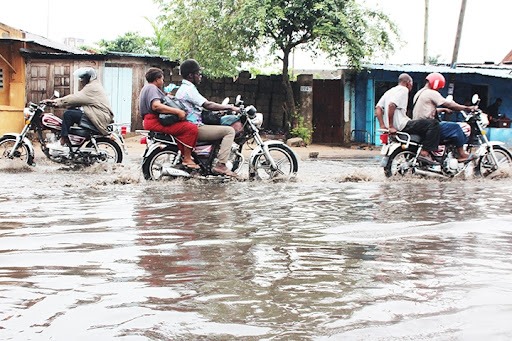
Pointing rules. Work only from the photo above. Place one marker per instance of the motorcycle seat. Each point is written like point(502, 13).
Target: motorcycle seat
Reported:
point(86, 124)
point(162, 136)
point(405, 137)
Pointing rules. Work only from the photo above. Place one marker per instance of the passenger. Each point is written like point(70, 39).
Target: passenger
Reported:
point(195, 102)
point(94, 104)
point(426, 103)
point(150, 106)
point(391, 112)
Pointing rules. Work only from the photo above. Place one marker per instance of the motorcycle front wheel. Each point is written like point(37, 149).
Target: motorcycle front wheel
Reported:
point(21, 153)
point(154, 164)
point(112, 152)
point(486, 164)
point(285, 161)
point(400, 163)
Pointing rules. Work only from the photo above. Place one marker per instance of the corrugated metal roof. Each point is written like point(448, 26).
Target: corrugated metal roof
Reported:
point(502, 71)
point(42, 41)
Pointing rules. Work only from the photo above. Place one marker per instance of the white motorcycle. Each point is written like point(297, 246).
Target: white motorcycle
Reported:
point(268, 160)
point(400, 153)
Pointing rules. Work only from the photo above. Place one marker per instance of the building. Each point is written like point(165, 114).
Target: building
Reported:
point(368, 85)
point(32, 67)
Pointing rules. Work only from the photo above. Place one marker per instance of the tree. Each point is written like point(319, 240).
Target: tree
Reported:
point(222, 34)
point(218, 33)
point(343, 29)
point(161, 40)
point(130, 42)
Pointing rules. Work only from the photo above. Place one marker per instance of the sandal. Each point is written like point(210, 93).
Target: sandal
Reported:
point(427, 159)
point(193, 166)
point(470, 157)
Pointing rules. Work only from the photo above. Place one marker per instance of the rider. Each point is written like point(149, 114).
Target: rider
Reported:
point(150, 106)
point(391, 112)
point(426, 103)
point(93, 102)
point(195, 103)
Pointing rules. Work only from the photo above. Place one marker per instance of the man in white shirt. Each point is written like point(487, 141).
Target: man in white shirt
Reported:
point(391, 112)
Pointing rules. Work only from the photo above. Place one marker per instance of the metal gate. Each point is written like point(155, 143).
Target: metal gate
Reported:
point(328, 111)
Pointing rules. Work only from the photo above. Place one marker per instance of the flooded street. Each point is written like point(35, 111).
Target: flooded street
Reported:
point(342, 253)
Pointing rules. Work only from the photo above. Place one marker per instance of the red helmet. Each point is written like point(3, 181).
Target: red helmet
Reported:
point(436, 81)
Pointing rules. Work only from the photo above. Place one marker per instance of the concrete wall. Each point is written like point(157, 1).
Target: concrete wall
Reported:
point(266, 93)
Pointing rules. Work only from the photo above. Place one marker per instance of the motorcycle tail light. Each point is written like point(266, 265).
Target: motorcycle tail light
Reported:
point(143, 140)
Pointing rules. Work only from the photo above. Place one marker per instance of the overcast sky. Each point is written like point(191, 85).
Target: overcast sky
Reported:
point(485, 35)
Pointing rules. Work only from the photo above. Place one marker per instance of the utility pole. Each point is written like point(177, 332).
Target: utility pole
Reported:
point(425, 36)
point(459, 33)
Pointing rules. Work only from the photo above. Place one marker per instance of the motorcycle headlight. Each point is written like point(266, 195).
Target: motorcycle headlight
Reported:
point(257, 120)
point(484, 120)
point(27, 113)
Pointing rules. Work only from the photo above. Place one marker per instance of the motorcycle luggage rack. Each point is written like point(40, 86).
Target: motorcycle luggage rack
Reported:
point(409, 139)
point(162, 137)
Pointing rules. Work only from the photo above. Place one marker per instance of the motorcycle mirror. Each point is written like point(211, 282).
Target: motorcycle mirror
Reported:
point(475, 99)
point(225, 101)
point(56, 94)
point(238, 100)
point(449, 98)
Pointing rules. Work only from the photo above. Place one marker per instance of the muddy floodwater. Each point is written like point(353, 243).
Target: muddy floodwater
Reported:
point(339, 254)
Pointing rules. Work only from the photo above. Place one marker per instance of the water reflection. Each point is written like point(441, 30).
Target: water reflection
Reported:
point(342, 253)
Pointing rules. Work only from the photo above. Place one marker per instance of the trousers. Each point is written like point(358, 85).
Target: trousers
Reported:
point(428, 129)
point(452, 131)
point(218, 132)
point(70, 117)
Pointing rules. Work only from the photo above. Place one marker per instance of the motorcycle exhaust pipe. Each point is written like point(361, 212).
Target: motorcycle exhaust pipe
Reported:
point(428, 173)
point(171, 171)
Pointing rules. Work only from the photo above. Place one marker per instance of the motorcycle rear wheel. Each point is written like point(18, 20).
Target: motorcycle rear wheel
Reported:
point(399, 163)
point(111, 148)
point(285, 160)
point(21, 153)
point(158, 159)
point(485, 163)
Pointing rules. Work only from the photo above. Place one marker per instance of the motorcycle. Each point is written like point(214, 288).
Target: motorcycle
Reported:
point(88, 145)
point(401, 151)
point(268, 160)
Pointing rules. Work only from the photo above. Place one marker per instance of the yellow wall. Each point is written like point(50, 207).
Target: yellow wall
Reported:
point(11, 120)
point(12, 96)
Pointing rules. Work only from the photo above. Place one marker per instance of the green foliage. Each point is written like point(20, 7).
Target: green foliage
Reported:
point(434, 60)
point(343, 29)
point(301, 130)
point(161, 40)
point(130, 42)
point(223, 34)
point(217, 33)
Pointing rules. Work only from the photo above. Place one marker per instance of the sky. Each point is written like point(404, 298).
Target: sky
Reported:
point(485, 35)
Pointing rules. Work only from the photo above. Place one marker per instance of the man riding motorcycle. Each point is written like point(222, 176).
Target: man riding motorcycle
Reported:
point(425, 105)
point(94, 104)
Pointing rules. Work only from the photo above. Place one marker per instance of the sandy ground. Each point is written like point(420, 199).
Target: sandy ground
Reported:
point(134, 147)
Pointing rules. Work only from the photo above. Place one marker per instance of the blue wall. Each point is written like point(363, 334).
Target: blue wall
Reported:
point(465, 85)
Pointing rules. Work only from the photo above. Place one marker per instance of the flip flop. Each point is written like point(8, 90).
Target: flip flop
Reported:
point(470, 158)
point(428, 160)
point(193, 166)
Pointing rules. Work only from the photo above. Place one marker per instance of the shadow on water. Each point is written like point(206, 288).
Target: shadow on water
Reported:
point(340, 253)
